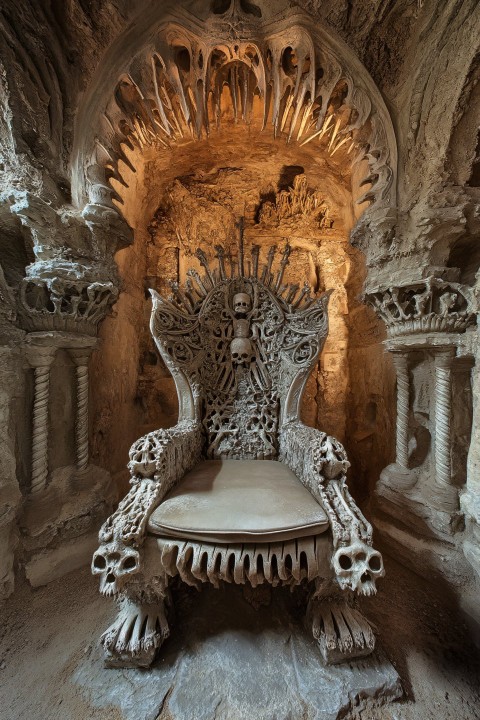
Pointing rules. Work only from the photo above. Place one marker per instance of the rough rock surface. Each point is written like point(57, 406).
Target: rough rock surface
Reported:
point(205, 672)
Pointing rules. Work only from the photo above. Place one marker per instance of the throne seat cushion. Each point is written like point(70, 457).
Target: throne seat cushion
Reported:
point(225, 501)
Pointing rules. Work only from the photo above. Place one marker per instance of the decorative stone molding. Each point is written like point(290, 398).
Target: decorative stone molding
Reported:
point(423, 494)
point(67, 305)
point(430, 305)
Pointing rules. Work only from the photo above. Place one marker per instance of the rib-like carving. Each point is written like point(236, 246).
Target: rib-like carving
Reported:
point(190, 82)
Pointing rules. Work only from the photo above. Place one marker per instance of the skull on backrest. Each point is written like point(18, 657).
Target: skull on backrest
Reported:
point(242, 304)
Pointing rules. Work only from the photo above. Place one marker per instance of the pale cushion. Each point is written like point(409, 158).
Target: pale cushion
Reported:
point(225, 501)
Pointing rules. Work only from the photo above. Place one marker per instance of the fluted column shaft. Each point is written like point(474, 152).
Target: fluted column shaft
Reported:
point(41, 359)
point(443, 417)
point(400, 361)
point(80, 358)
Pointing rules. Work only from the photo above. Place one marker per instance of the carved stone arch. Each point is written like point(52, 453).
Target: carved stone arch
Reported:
point(311, 88)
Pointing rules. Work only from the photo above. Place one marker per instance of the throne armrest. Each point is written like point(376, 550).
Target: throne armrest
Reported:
point(320, 463)
point(157, 461)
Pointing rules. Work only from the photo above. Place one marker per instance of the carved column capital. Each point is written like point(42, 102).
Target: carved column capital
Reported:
point(430, 305)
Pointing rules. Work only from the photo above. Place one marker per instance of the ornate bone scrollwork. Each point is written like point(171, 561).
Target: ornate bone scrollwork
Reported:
point(241, 340)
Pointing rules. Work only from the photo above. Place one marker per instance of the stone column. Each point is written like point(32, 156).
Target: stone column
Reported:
point(41, 359)
point(400, 361)
point(80, 357)
point(443, 419)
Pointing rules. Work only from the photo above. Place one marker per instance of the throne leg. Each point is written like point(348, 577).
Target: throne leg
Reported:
point(342, 633)
point(138, 631)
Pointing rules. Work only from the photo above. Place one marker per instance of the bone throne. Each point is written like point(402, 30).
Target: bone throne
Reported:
point(240, 490)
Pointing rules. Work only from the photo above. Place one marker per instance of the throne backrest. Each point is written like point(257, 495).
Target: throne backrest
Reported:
point(240, 347)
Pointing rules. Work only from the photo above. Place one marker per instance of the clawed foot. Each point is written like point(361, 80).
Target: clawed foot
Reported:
point(135, 636)
point(342, 632)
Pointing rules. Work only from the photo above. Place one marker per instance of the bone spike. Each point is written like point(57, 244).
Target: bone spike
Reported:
point(339, 145)
point(334, 134)
point(268, 266)
point(221, 261)
point(189, 290)
point(180, 297)
point(283, 265)
point(204, 263)
point(304, 293)
point(255, 256)
point(306, 114)
point(240, 247)
point(195, 276)
point(291, 295)
point(320, 133)
point(286, 111)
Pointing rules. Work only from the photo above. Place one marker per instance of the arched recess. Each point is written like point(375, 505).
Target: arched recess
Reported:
point(271, 119)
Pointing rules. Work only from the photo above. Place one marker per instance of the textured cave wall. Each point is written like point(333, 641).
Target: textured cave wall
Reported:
point(423, 56)
point(196, 201)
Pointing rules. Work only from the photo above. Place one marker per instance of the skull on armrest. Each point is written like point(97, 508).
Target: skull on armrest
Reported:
point(357, 567)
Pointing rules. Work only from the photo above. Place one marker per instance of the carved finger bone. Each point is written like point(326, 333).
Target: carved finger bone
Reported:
point(115, 563)
point(357, 567)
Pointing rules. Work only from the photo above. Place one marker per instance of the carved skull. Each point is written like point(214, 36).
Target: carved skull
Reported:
point(115, 563)
point(242, 351)
point(358, 567)
point(242, 303)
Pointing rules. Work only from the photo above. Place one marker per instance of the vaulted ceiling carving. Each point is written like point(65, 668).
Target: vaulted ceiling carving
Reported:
point(283, 78)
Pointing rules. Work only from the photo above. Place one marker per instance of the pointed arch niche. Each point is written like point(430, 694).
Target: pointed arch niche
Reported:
point(212, 119)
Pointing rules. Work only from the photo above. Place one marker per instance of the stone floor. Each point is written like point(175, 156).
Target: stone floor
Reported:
point(227, 661)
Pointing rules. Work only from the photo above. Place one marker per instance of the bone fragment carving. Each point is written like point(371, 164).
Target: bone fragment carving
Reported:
point(287, 563)
point(340, 630)
point(157, 461)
